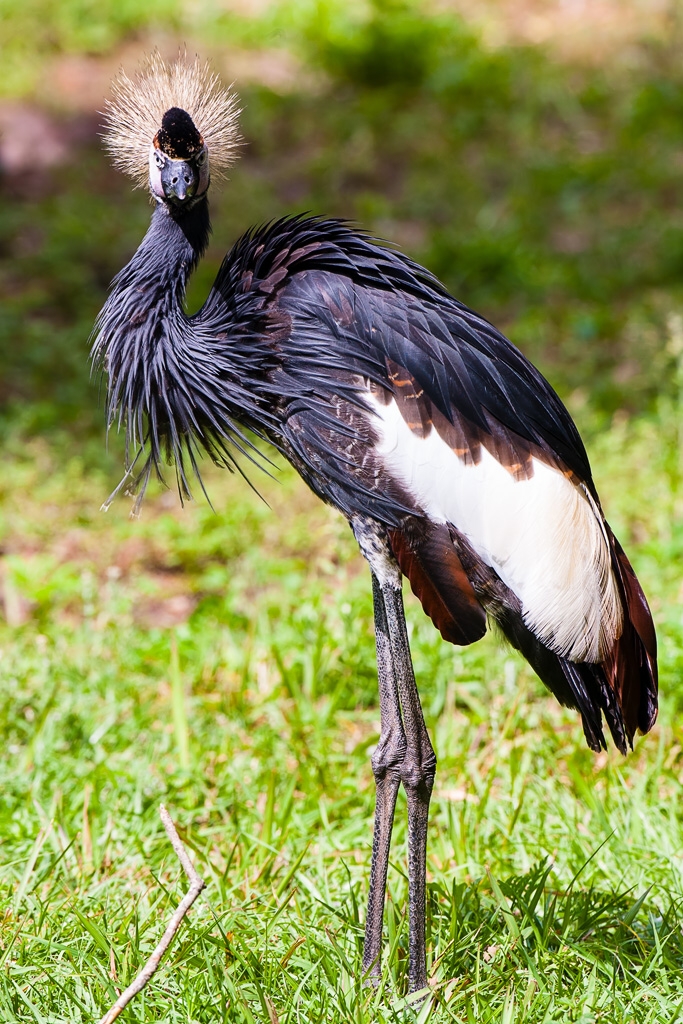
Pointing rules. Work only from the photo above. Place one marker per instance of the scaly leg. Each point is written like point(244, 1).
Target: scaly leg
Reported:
point(404, 754)
point(417, 772)
point(386, 762)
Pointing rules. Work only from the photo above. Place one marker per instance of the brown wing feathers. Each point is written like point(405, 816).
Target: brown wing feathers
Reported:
point(415, 407)
point(429, 560)
point(425, 553)
point(460, 434)
point(631, 667)
point(624, 685)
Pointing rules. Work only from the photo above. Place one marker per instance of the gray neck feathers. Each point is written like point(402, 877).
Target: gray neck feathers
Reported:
point(153, 284)
point(175, 382)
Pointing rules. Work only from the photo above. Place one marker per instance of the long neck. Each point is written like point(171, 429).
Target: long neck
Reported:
point(152, 285)
point(174, 380)
point(142, 330)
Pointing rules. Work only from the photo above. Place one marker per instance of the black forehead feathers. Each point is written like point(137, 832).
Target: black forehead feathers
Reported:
point(178, 137)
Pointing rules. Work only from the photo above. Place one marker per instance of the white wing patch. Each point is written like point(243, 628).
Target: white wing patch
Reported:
point(543, 536)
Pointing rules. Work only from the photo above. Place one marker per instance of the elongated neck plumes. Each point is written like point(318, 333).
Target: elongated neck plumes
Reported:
point(173, 379)
point(136, 328)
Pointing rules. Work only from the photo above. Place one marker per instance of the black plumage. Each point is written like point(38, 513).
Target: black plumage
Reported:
point(299, 308)
point(309, 323)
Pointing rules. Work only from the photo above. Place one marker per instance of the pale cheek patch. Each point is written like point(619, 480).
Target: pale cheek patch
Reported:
point(155, 175)
point(542, 536)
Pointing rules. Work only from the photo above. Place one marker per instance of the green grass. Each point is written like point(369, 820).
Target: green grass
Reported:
point(555, 880)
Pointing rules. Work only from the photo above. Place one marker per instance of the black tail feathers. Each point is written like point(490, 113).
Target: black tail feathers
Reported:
point(622, 688)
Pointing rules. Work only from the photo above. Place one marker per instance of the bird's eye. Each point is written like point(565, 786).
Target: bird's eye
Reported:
point(201, 158)
point(159, 159)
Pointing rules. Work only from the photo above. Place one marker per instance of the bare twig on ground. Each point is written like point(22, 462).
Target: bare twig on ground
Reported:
point(150, 968)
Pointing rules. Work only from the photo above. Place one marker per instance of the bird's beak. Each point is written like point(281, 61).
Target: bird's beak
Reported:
point(179, 180)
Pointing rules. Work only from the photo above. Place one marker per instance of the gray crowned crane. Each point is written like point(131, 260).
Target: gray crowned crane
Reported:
point(451, 457)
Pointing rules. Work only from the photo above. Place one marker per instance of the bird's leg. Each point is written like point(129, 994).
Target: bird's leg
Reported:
point(417, 772)
point(406, 755)
point(386, 762)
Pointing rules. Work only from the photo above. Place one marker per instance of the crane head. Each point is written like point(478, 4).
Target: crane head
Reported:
point(167, 124)
point(178, 160)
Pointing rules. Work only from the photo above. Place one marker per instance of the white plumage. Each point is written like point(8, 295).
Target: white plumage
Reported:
point(544, 536)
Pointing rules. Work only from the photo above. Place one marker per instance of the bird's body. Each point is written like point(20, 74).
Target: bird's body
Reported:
point(451, 457)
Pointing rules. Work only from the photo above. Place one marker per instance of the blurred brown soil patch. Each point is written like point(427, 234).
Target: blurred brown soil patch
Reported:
point(164, 612)
point(80, 82)
point(586, 31)
point(43, 132)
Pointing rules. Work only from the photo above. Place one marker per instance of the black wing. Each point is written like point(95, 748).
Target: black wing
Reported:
point(337, 306)
point(357, 305)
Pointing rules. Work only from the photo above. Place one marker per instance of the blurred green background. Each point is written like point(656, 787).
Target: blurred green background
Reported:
point(530, 153)
point(540, 180)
